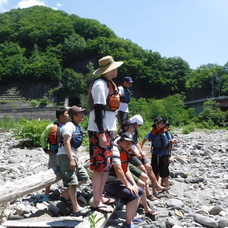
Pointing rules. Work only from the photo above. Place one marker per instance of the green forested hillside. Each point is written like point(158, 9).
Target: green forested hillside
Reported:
point(42, 45)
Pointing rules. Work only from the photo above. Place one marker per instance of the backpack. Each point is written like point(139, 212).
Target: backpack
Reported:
point(77, 137)
point(113, 99)
point(54, 138)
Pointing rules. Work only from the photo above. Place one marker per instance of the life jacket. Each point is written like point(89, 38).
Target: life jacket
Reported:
point(160, 140)
point(124, 161)
point(77, 137)
point(113, 99)
point(126, 96)
point(54, 137)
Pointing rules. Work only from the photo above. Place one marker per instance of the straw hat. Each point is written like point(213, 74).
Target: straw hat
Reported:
point(106, 64)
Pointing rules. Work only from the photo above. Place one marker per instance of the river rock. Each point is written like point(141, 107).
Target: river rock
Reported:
point(198, 178)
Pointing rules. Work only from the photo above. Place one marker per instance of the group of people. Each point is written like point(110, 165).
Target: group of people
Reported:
point(120, 166)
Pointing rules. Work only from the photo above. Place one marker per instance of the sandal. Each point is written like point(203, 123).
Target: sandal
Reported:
point(45, 198)
point(152, 197)
point(151, 215)
point(158, 194)
point(109, 201)
point(171, 194)
point(101, 209)
point(165, 189)
point(84, 211)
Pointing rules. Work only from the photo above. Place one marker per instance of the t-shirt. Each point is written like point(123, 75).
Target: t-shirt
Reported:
point(68, 129)
point(115, 161)
point(123, 106)
point(99, 93)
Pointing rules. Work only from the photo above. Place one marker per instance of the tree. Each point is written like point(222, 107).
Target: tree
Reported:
point(212, 113)
point(74, 48)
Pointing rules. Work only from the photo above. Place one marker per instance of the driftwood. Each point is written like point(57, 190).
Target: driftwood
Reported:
point(12, 190)
point(63, 221)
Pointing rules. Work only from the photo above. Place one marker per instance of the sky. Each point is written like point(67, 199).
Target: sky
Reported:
point(194, 30)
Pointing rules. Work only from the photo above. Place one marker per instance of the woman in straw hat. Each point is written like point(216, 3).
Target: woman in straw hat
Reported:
point(102, 124)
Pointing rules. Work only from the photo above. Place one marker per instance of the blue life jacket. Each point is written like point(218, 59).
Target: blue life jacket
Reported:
point(126, 96)
point(160, 143)
point(77, 137)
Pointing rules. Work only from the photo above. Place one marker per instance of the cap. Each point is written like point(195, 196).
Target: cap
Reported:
point(138, 119)
point(127, 137)
point(127, 79)
point(128, 122)
point(74, 110)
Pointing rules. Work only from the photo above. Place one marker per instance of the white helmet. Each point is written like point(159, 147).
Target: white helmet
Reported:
point(137, 119)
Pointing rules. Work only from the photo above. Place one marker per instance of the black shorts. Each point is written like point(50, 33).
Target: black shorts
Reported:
point(160, 165)
point(134, 160)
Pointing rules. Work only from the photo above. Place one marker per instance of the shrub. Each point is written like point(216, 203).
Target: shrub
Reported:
point(43, 102)
point(188, 128)
point(33, 103)
point(29, 132)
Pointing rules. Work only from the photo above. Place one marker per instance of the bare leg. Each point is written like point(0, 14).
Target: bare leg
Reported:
point(131, 208)
point(165, 181)
point(47, 190)
point(98, 183)
point(143, 197)
point(143, 177)
point(155, 185)
point(73, 196)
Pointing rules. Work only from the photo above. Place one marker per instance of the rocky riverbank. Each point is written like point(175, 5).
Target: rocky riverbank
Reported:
point(199, 177)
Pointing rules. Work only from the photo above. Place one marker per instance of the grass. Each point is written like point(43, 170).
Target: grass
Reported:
point(8, 124)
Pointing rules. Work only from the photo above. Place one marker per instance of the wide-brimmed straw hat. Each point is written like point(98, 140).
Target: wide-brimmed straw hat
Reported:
point(106, 64)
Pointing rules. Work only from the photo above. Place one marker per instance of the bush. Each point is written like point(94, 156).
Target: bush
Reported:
point(188, 128)
point(33, 103)
point(43, 102)
point(29, 131)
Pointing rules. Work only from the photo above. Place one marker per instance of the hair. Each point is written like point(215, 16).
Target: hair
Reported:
point(60, 111)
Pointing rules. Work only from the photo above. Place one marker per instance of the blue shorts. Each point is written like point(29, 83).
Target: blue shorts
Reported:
point(119, 190)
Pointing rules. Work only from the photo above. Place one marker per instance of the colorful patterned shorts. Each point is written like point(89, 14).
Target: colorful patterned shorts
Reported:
point(100, 158)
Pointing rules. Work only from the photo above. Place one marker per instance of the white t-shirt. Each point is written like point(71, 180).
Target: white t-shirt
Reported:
point(123, 106)
point(99, 93)
point(68, 129)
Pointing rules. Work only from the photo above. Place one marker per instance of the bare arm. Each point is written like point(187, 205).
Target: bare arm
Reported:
point(123, 177)
point(142, 142)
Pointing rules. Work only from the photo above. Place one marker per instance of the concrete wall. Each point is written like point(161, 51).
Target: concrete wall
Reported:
point(29, 113)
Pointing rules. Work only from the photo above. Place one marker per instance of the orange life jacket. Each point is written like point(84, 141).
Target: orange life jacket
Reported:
point(124, 161)
point(113, 99)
